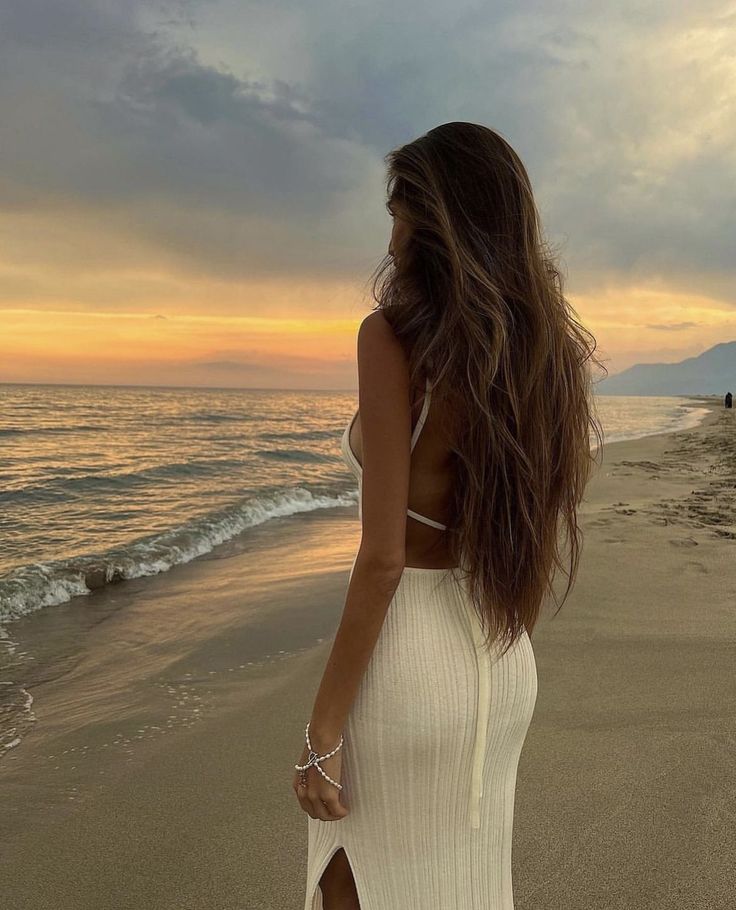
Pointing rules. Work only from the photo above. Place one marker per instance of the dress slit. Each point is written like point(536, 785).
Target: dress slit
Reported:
point(314, 900)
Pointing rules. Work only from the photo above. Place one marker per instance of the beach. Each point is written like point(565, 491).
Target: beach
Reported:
point(157, 770)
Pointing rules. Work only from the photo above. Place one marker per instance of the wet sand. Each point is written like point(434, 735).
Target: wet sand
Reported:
point(157, 773)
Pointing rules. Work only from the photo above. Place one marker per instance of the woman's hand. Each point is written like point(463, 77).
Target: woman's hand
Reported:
point(321, 799)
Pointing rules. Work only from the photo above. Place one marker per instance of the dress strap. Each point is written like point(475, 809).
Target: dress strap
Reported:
point(422, 415)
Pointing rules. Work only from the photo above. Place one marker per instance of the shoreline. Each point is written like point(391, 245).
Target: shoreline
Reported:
point(706, 403)
point(53, 635)
point(68, 579)
point(108, 805)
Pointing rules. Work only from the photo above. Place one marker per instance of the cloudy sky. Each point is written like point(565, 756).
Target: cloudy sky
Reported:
point(191, 191)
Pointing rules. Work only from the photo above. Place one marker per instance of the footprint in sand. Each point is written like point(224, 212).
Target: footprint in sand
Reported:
point(600, 522)
point(684, 542)
point(697, 567)
point(651, 466)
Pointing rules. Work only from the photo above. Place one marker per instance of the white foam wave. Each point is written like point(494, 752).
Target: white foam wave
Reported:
point(37, 585)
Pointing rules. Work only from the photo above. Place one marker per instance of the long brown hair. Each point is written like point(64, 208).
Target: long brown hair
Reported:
point(476, 300)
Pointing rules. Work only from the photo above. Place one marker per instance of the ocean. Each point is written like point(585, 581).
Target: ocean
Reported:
point(106, 484)
point(100, 483)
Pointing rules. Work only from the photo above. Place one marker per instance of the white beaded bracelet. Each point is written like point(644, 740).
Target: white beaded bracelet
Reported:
point(314, 759)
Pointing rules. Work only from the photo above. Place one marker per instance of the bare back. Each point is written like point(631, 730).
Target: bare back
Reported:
point(430, 483)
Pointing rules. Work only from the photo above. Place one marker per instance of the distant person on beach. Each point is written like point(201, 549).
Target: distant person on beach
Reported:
point(728, 399)
point(471, 450)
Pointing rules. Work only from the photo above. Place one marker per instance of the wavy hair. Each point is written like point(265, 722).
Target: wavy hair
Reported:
point(476, 300)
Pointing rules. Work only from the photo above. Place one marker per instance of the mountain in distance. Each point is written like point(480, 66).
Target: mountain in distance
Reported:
point(711, 373)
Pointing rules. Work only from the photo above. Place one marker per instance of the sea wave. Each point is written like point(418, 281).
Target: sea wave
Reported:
point(30, 587)
point(298, 456)
point(51, 431)
point(68, 487)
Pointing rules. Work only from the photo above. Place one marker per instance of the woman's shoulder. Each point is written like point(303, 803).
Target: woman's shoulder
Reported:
point(376, 338)
point(376, 325)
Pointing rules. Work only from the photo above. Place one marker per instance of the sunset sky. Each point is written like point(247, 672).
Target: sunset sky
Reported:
point(192, 191)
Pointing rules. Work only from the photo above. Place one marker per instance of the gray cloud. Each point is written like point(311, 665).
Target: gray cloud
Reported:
point(246, 139)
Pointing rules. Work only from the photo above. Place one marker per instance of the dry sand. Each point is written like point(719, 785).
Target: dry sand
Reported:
point(626, 796)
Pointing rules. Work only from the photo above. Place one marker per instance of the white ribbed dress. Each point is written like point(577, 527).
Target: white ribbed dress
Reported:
point(430, 754)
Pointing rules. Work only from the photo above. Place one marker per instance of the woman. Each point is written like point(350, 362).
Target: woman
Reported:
point(471, 449)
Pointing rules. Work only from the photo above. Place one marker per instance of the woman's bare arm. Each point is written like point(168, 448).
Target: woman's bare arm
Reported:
point(385, 421)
